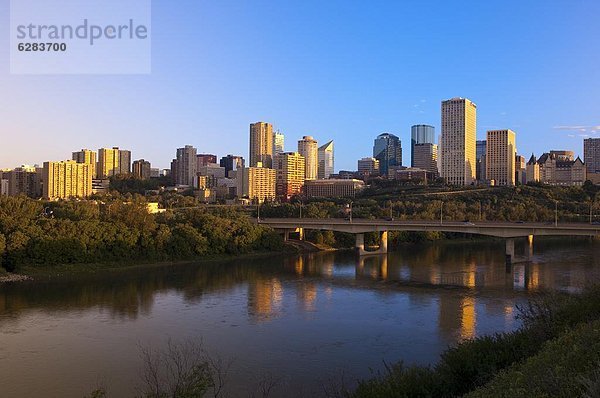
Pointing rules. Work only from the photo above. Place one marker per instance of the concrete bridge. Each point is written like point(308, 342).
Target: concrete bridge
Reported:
point(359, 227)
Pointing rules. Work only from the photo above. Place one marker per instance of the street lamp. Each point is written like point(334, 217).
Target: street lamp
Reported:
point(480, 212)
point(556, 213)
point(350, 211)
point(442, 213)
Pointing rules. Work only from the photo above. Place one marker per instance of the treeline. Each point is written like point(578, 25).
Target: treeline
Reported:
point(36, 233)
point(523, 203)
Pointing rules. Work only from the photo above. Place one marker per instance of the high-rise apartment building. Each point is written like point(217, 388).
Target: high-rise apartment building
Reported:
point(261, 144)
point(387, 149)
point(420, 134)
point(308, 147)
point(458, 151)
point(500, 157)
point(278, 143)
point(290, 168)
point(24, 180)
point(425, 157)
point(186, 166)
point(87, 156)
point(258, 184)
point(232, 165)
point(326, 161)
point(68, 179)
point(591, 155)
point(112, 162)
point(142, 169)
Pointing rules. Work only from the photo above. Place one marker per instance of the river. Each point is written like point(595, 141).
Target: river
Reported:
point(303, 322)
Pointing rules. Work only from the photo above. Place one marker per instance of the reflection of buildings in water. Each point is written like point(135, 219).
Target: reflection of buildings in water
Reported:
point(457, 316)
point(466, 277)
point(314, 264)
point(299, 265)
point(328, 292)
point(306, 294)
point(264, 298)
point(468, 319)
point(375, 267)
point(509, 317)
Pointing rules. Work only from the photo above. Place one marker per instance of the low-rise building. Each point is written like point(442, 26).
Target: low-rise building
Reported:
point(556, 169)
point(331, 188)
point(413, 174)
point(368, 167)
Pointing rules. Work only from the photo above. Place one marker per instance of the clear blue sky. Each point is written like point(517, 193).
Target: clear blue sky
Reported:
point(337, 70)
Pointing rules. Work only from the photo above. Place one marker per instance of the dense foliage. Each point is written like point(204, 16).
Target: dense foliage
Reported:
point(38, 234)
point(521, 203)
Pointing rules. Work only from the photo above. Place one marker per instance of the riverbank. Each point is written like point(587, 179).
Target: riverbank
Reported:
point(555, 353)
point(29, 273)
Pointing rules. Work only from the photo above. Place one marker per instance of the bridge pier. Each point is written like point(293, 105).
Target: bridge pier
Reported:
point(360, 244)
point(286, 235)
point(383, 246)
point(301, 233)
point(510, 250)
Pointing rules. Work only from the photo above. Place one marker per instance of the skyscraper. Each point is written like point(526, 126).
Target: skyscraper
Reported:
point(112, 162)
point(591, 154)
point(261, 144)
point(388, 150)
point(88, 157)
point(420, 134)
point(458, 153)
point(308, 148)
point(290, 168)
point(326, 161)
point(186, 166)
point(500, 157)
point(278, 143)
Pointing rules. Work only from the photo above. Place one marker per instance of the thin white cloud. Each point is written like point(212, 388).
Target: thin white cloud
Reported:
point(577, 128)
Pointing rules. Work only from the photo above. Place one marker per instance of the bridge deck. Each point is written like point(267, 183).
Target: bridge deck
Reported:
point(498, 229)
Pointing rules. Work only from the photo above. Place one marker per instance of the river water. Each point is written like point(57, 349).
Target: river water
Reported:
point(301, 322)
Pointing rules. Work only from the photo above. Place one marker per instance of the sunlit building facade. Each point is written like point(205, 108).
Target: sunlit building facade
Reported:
point(326, 161)
point(261, 144)
point(458, 148)
point(500, 157)
point(68, 179)
point(290, 167)
point(308, 147)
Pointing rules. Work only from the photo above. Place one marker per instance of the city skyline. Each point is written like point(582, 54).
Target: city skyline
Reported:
point(211, 90)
